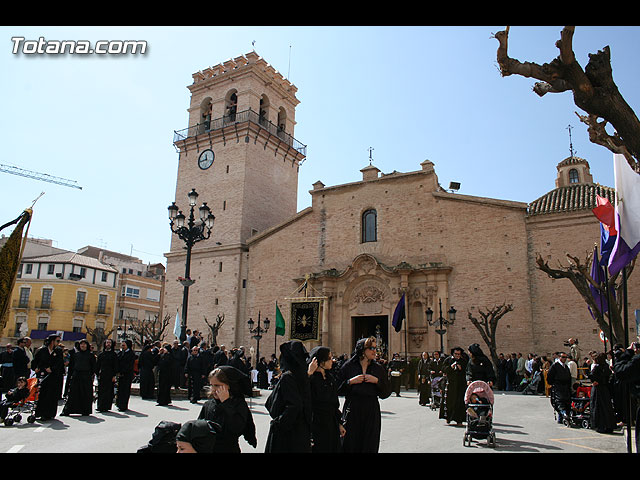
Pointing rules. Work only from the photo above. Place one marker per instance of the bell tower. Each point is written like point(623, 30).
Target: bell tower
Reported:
point(238, 152)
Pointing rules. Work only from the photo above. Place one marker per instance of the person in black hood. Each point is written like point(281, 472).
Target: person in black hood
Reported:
point(290, 403)
point(126, 360)
point(80, 399)
point(197, 436)
point(326, 427)
point(229, 410)
point(165, 371)
point(362, 381)
point(479, 366)
point(106, 369)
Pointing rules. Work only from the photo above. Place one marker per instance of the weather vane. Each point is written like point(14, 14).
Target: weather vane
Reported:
point(370, 157)
point(570, 142)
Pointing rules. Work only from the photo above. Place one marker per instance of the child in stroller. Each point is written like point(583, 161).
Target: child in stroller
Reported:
point(478, 399)
point(532, 385)
point(436, 392)
point(580, 413)
point(19, 400)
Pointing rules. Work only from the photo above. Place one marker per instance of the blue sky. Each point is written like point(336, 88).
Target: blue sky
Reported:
point(411, 93)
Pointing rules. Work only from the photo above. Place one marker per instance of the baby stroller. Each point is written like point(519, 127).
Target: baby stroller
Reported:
point(532, 385)
point(436, 392)
point(478, 399)
point(24, 407)
point(580, 413)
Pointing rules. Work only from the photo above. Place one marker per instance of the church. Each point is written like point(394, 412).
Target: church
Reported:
point(339, 269)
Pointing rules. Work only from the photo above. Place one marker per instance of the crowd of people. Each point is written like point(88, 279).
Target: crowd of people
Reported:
point(304, 402)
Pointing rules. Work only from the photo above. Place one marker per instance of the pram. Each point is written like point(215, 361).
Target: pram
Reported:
point(478, 399)
point(24, 407)
point(436, 392)
point(580, 413)
point(532, 385)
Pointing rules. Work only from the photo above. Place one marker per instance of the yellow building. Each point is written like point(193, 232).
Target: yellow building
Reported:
point(64, 293)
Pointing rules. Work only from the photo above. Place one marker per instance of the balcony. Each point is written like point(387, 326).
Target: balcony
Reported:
point(240, 117)
point(44, 305)
point(103, 310)
point(22, 304)
point(81, 307)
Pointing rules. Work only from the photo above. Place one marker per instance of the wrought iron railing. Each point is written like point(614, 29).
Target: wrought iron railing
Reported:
point(240, 117)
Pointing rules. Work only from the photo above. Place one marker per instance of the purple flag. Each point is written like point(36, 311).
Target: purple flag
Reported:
point(627, 243)
point(399, 315)
point(597, 274)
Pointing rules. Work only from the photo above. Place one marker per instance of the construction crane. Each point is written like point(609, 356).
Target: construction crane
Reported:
point(45, 177)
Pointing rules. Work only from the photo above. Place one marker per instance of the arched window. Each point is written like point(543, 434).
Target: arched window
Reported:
point(232, 106)
point(573, 176)
point(369, 226)
point(264, 110)
point(282, 120)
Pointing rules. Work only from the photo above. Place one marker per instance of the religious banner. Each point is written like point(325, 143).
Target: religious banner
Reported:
point(305, 318)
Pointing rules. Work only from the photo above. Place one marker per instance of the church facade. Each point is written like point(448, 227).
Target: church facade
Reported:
point(362, 247)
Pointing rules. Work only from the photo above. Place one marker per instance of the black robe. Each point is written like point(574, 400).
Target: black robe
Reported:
point(456, 372)
point(20, 363)
point(263, 376)
point(235, 420)
point(603, 417)
point(126, 360)
point(290, 408)
point(165, 371)
point(361, 411)
point(424, 381)
point(106, 369)
point(48, 382)
point(196, 370)
point(146, 363)
point(327, 417)
point(80, 398)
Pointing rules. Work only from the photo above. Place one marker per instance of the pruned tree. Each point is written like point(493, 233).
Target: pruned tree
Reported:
point(99, 335)
point(215, 328)
point(151, 329)
point(594, 92)
point(579, 273)
point(487, 326)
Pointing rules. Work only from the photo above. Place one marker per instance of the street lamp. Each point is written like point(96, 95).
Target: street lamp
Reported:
point(191, 233)
point(442, 322)
point(257, 333)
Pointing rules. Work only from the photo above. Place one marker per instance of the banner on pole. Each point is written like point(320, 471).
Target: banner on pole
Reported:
point(305, 318)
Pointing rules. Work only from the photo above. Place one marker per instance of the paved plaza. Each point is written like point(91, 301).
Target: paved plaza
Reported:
point(522, 423)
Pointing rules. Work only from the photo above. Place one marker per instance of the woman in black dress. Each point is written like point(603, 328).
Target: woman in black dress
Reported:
point(46, 362)
point(126, 360)
point(290, 403)
point(106, 369)
point(263, 374)
point(228, 409)
point(362, 381)
point(80, 399)
point(326, 426)
point(146, 363)
point(165, 375)
point(603, 417)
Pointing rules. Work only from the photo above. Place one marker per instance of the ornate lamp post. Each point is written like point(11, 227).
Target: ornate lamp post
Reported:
point(191, 233)
point(442, 322)
point(257, 334)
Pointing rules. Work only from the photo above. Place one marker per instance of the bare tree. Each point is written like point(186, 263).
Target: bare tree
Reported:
point(152, 329)
point(579, 273)
point(215, 328)
point(487, 326)
point(99, 335)
point(594, 92)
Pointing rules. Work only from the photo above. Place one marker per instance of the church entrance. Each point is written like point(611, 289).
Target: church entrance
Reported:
point(371, 326)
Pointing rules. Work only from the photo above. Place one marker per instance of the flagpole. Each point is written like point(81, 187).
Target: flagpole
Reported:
point(626, 343)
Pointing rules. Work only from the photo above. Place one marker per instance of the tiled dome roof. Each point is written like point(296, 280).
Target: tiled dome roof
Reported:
point(581, 196)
